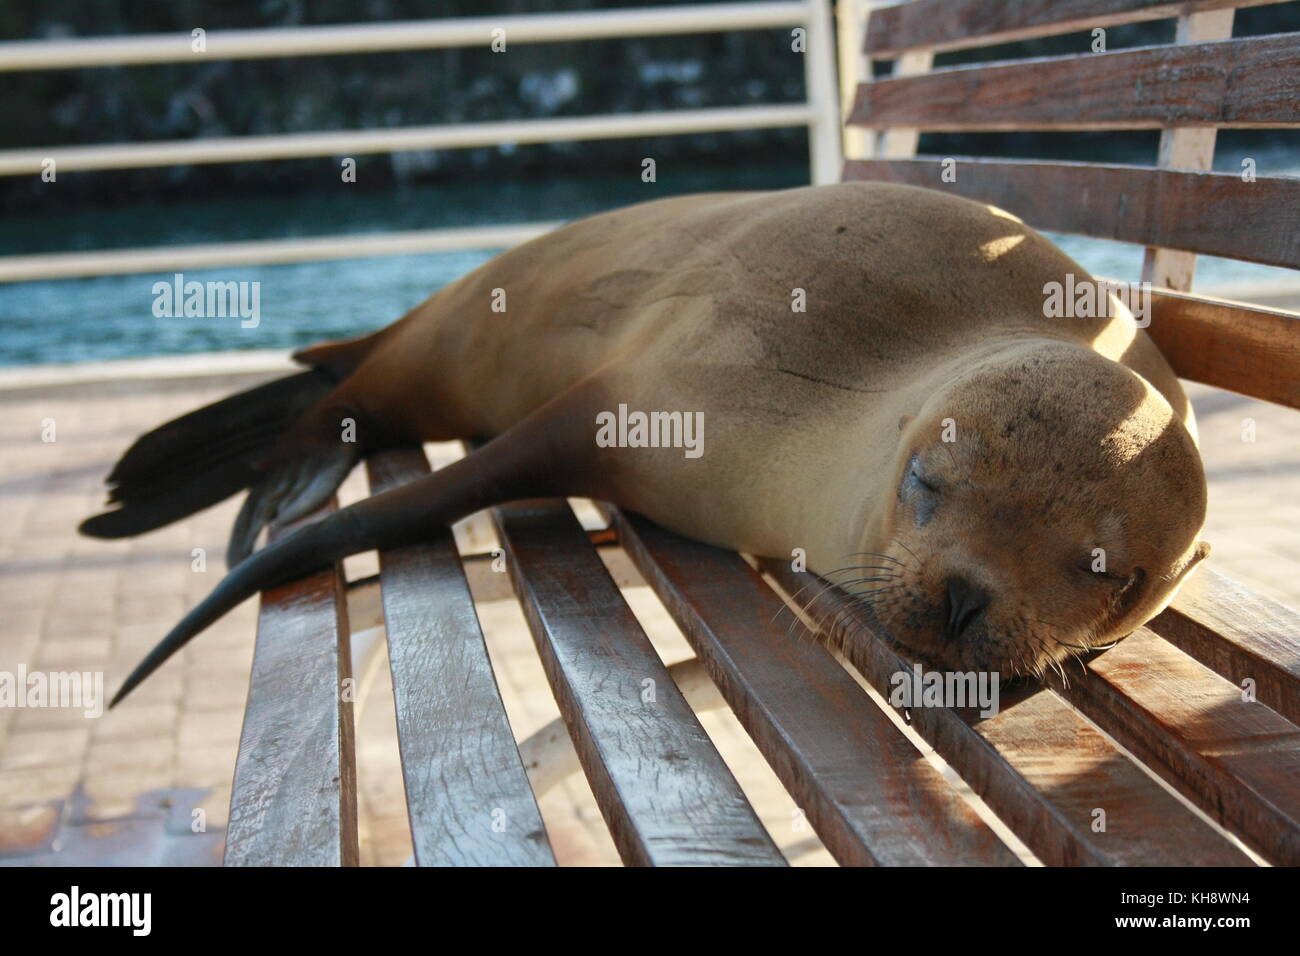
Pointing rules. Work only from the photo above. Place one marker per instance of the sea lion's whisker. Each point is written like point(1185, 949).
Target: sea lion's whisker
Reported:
point(794, 598)
point(900, 543)
point(1076, 647)
point(875, 554)
point(864, 567)
point(845, 585)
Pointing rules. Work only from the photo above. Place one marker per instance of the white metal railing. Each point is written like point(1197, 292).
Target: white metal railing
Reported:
point(819, 114)
point(241, 149)
point(400, 35)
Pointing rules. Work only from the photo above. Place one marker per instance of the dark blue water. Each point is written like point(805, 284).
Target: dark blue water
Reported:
point(112, 317)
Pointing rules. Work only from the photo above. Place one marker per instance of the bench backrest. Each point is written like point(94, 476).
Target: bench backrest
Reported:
point(1203, 82)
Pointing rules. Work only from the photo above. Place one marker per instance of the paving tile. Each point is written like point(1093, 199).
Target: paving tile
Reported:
point(58, 747)
point(29, 829)
point(195, 811)
point(29, 785)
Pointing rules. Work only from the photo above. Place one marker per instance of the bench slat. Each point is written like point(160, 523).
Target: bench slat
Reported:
point(1246, 349)
point(957, 24)
point(467, 794)
point(859, 780)
point(1239, 761)
point(1043, 769)
point(294, 794)
point(1240, 635)
point(1230, 84)
point(1211, 213)
point(663, 789)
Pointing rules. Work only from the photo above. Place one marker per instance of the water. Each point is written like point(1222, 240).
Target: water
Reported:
point(76, 320)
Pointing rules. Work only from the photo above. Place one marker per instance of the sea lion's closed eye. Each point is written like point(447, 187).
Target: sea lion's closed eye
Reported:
point(917, 476)
point(1114, 578)
point(919, 491)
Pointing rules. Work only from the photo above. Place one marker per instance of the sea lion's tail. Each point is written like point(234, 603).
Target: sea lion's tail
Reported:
point(204, 457)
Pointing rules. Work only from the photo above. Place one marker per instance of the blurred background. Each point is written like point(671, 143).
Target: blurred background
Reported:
point(110, 317)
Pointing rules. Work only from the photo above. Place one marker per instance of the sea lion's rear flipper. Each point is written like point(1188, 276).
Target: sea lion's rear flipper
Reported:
point(204, 457)
point(298, 478)
point(549, 453)
point(262, 439)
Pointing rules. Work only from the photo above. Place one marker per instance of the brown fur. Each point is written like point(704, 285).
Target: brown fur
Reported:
point(1071, 434)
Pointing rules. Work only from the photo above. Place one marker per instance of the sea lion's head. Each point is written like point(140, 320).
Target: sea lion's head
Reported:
point(1040, 505)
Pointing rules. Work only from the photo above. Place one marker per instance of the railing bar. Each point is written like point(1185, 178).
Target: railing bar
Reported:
point(353, 142)
point(401, 35)
point(259, 252)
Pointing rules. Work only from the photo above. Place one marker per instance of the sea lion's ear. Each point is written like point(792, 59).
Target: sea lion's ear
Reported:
point(905, 421)
point(1199, 554)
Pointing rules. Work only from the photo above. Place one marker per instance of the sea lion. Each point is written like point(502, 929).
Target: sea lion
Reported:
point(879, 386)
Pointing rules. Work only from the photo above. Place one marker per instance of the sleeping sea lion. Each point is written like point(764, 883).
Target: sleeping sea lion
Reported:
point(860, 373)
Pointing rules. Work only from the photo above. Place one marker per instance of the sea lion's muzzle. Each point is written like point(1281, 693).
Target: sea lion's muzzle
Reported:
point(965, 605)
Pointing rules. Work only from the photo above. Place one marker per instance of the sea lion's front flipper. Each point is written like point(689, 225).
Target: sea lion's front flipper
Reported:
point(290, 488)
point(547, 454)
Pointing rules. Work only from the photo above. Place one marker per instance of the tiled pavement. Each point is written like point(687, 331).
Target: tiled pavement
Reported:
point(150, 783)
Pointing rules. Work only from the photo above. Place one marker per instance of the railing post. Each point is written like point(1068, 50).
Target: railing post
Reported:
point(855, 68)
point(819, 78)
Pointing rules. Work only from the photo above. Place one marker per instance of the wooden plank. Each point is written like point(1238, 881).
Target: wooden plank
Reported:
point(1238, 84)
point(294, 796)
point(901, 142)
point(959, 24)
point(1240, 635)
point(1043, 769)
point(663, 789)
point(467, 794)
point(1246, 349)
point(1186, 149)
point(853, 773)
point(1237, 759)
point(1211, 213)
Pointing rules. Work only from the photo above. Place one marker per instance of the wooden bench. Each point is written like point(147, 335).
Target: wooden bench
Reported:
point(1154, 756)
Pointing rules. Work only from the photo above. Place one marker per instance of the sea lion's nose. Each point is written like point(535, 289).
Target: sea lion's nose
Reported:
point(965, 604)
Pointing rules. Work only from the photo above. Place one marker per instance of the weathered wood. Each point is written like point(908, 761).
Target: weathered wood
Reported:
point(1240, 635)
point(958, 24)
point(1246, 349)
point(1237, 759)
point(1043, 769)
point(663, 789)
point(294, 796)
point(1211, 213)
point(1186, 149)
point(860, 782)
point(901, 142)
point(467, 795)
point(1237, 84)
